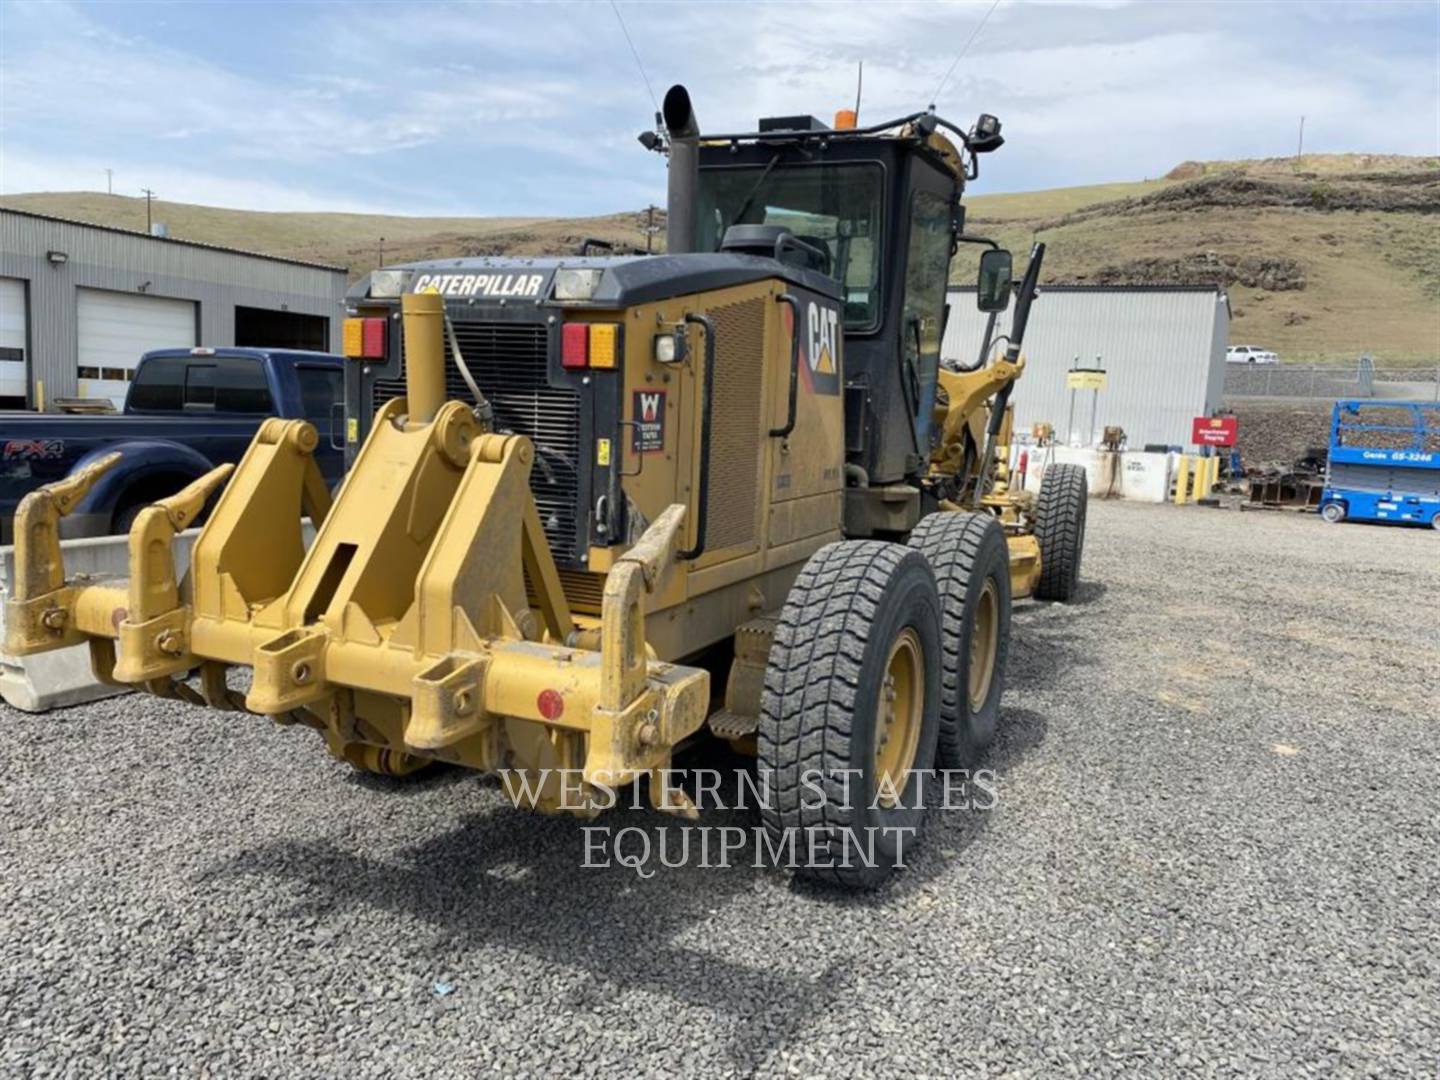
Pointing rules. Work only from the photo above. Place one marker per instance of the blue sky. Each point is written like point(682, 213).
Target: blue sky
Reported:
point(521, 109)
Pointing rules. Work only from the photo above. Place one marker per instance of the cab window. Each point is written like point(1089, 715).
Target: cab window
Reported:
point(835, 208)
point(320, 390)
point(240, 386)
point(927, 270)
point(159, 386)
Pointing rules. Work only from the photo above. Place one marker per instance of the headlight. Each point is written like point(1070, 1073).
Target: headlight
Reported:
point(576, 284)
point(669, 348)
point(389, 284)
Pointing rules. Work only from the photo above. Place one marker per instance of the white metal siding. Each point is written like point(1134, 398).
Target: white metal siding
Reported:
point(114, 329)
point(12, 336)
point(216, 279)
point(1163, 349)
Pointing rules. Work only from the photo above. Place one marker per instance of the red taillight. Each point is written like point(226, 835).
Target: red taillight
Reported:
point(375, 338)
point(364, 339)
point(574, 345)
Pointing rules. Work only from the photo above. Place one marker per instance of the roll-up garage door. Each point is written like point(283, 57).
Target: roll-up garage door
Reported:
point(115, 329)
point(12, 343)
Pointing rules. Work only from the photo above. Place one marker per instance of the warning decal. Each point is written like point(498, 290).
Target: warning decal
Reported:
point(648, 431)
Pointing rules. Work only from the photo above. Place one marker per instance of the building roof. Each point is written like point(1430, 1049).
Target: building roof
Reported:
point(1096, 287)
point(172, 240)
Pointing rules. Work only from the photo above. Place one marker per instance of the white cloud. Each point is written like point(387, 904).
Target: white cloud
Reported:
point(523, 109)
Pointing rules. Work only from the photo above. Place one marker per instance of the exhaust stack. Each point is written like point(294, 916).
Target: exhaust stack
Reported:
point(684, 175)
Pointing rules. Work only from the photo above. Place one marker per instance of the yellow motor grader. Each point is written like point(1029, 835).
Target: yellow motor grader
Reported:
point(600, 507)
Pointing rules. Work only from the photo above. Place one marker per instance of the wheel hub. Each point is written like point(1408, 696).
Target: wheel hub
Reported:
point(984, 645)
point(900, 715)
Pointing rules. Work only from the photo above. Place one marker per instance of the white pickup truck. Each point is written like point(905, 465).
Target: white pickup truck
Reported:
point(1249, 354)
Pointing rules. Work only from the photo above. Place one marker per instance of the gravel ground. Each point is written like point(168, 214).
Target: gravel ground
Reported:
point(1214, 852)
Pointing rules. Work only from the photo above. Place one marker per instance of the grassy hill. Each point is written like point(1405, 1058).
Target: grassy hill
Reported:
point(1324, 259)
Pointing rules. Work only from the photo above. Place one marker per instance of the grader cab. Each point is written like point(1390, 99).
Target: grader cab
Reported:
point(597, 509)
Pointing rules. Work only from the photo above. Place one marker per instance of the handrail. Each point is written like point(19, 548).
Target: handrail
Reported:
point(703, 497)
point(784, 432)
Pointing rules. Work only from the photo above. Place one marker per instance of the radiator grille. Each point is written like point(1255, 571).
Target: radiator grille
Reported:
point(508, 360)
point(584, 591)
point(736, 441)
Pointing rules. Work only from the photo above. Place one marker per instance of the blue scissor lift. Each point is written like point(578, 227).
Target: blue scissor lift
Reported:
point(1384, 463)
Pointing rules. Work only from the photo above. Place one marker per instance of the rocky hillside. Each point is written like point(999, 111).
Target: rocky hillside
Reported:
point(1324, 258)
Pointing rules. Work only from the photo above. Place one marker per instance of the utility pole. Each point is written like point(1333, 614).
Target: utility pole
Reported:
point(1300, 148)
point(109, 181)
point(380, 253)
point(649, 228)
point(148, 196)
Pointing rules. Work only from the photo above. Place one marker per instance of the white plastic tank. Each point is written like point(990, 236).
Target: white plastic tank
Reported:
point(1145, 477)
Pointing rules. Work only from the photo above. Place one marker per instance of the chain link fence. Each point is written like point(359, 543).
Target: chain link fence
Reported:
point(1363, 379)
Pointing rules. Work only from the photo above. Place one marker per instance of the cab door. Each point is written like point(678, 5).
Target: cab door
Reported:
point(922, 311)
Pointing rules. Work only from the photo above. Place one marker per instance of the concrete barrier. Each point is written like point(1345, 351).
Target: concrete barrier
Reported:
point(55, 679)
point(63, 677)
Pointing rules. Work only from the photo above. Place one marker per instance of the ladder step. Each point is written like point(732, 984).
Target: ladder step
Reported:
point(729, 725)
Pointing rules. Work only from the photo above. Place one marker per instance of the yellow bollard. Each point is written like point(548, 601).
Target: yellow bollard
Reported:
point(1182, 479)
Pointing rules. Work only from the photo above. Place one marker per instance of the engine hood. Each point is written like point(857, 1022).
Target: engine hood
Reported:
point(624, 280)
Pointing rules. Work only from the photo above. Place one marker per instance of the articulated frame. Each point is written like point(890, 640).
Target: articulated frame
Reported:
point(962, 421)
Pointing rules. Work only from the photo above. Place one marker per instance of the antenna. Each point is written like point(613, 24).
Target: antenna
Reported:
point(963, 50)
point(859, 85)
point(641, 67)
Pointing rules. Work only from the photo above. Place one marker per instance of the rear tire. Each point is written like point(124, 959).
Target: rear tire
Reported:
point(971, 562)
point(1060, 531)
point(1333, 512)
point(852, 694)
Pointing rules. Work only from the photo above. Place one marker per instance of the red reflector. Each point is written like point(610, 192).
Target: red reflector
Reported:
point(551, 704)
point(574, 345)
point(374, 339)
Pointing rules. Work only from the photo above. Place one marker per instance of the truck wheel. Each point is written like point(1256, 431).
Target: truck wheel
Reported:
point(850, 712)
point(1060, 531)
point(1333, 512)
point(971, 562)
point(1435, 522)
point(125, 517)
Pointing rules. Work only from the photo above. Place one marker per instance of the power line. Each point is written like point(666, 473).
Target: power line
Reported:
point(963, 49)
point(624, 30)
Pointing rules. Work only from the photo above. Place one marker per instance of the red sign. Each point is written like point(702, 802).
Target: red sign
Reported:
point(1214, 430)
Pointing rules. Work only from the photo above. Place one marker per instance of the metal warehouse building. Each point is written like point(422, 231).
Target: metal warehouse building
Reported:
point(80, 303)
point(1162, 347)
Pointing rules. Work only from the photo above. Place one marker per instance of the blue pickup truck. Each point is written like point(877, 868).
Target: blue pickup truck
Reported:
point(187, 411)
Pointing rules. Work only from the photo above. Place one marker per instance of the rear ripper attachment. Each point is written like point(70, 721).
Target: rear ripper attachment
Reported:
point(425, 622)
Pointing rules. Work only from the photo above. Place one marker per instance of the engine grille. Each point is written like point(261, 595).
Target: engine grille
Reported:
point(508, 360)
point(735, 424)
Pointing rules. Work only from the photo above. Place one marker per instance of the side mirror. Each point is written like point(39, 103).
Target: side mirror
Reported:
point(992, 287)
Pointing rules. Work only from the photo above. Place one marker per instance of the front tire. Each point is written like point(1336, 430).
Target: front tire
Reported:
point(1060, 511)
point(850, 712)
point(971, 562)
point(1333, 512)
